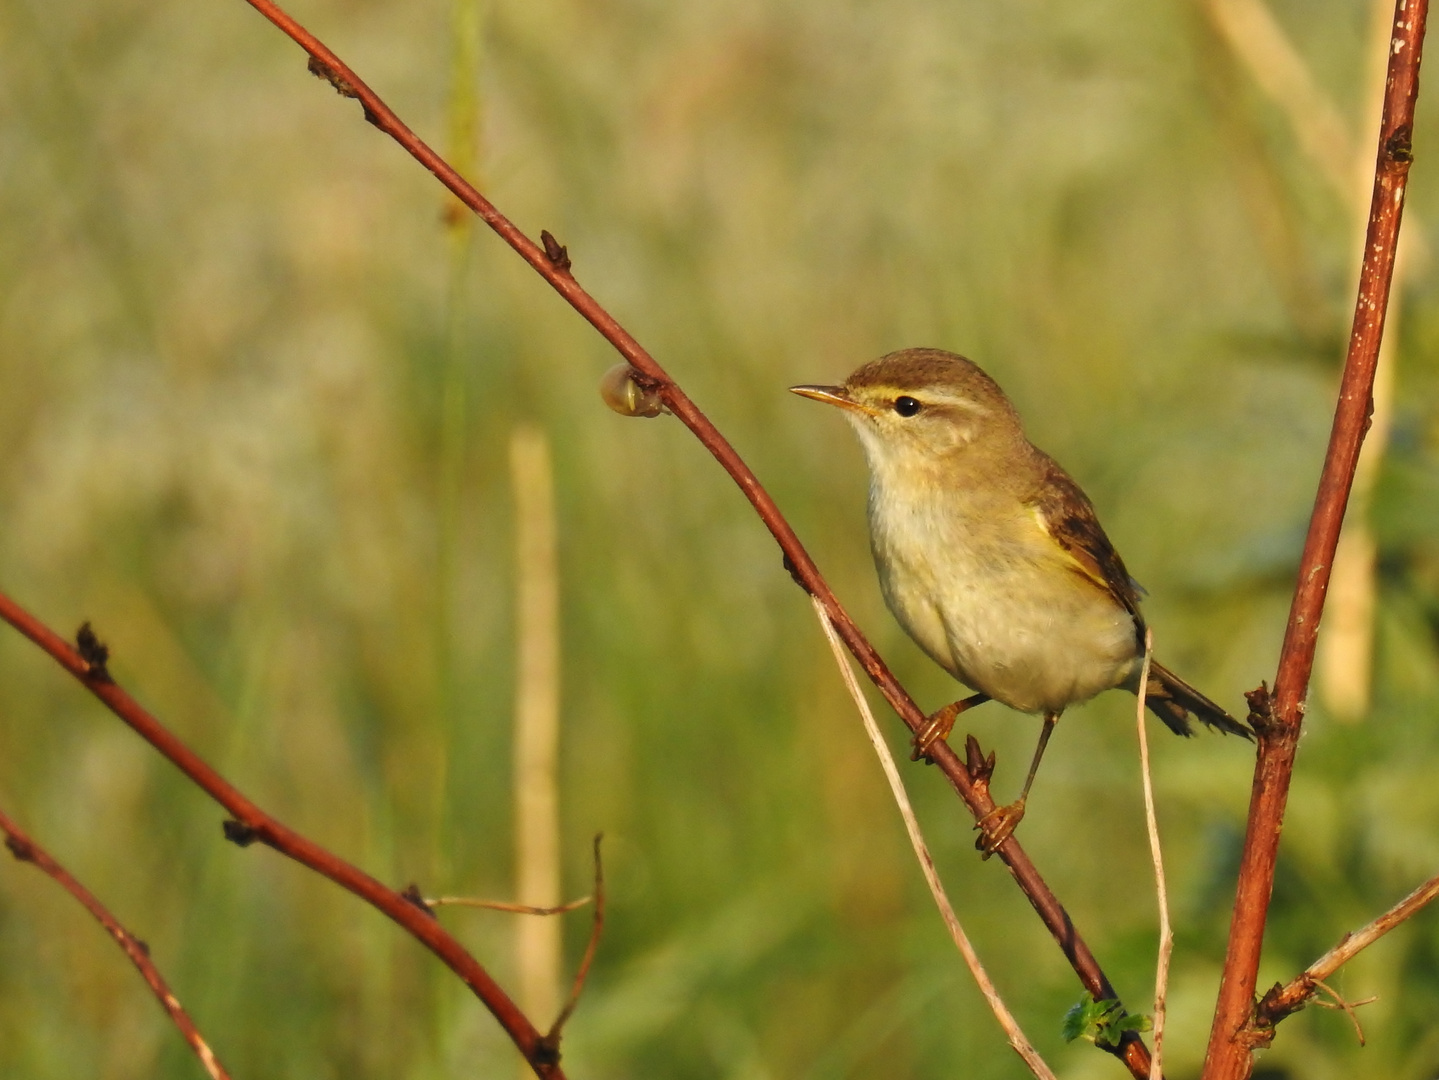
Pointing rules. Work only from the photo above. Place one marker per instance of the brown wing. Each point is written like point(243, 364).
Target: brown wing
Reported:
point(1067, 515)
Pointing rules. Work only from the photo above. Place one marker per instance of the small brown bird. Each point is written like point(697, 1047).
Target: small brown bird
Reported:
point(991, 557)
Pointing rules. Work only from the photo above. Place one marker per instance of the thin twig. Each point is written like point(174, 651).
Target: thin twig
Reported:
point(1367, 935)
point(1017, 1039)
point(1231, 1038)
point(1343, 1003)
point(597, 929)
point(1346, 1007)
point(1161, 889)
point(251, 823)
point(500, 905)
point(26, 850)
point(1295, 994)
point(654, 380)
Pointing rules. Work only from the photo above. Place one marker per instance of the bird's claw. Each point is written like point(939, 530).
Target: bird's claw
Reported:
point(997, 826)
point(936, 729)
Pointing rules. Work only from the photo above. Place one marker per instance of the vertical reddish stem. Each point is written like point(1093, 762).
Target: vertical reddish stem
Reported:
point(1232, 1038)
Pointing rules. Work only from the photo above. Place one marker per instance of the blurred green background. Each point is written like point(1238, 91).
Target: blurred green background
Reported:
point(256, 395)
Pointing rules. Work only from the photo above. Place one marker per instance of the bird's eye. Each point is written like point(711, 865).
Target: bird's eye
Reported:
point(906, 406)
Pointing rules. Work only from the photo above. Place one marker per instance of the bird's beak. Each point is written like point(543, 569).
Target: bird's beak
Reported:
point(832, 395)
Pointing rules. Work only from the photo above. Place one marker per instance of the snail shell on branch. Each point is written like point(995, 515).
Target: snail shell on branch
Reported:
point(627, 397)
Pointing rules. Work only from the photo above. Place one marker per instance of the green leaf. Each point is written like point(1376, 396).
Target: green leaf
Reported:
point(1100, 1022)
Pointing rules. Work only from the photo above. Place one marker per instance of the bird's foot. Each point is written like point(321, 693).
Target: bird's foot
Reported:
point(936, 729)
point(938, 726)
point(997, 826)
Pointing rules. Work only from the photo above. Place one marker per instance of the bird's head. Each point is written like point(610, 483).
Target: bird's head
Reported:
point(921, 408)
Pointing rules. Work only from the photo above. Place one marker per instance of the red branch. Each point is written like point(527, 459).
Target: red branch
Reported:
point(557, 272)
point(1233, 1037)
point(1280, 1001)
point(26, 850)
point(251, 823)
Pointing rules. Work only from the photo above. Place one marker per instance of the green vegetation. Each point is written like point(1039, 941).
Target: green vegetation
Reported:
point(1101, 1022)
point(255, 403)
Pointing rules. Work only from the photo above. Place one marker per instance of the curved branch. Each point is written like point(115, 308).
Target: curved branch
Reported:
point(26, 850)
point(251, 823)
point(553, 264)
point(1232, 1037)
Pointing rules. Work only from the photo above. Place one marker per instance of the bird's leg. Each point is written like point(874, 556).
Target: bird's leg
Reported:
point(939, 724)
point(997, 825)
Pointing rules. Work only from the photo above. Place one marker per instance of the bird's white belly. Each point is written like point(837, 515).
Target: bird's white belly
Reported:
point(1005, 617)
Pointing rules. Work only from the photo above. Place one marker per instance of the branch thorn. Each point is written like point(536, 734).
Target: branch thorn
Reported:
point(980, 768)
point(557, 253)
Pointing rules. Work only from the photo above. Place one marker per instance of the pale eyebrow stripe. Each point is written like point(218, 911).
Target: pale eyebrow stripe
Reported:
point(952, 400)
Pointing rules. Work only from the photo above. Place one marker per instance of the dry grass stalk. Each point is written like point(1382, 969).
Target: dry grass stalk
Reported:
point(1161, 888)
point(1017, 1039)
point(538, 942)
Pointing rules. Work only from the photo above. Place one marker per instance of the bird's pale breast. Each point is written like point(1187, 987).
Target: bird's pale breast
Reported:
point(988, 594)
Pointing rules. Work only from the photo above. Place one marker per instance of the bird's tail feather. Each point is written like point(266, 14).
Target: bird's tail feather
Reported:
point(1173, 700)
